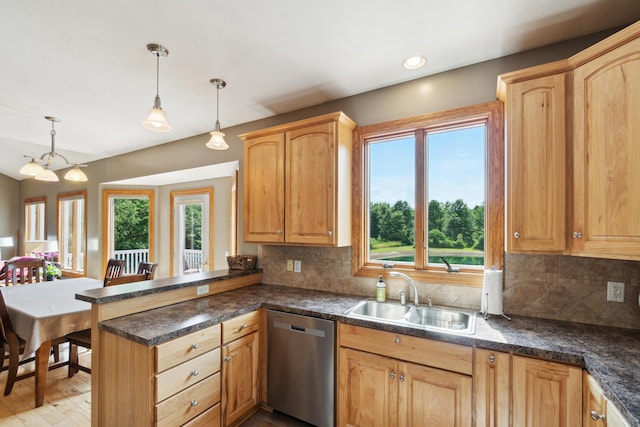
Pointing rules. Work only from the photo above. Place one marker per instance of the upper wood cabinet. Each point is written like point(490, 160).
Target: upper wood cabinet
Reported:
point(536, 164)
point(572, 152)
point(297, 182)
point(606, 154)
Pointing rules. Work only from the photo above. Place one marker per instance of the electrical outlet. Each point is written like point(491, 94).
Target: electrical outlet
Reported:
point(202, 290)
point(615, 291)
point(289, 265)
point(297, 266)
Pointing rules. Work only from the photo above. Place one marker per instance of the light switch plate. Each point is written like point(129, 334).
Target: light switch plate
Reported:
point(289, 265)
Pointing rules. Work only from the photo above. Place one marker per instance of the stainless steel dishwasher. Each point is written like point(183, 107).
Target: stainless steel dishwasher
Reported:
point(301, 367)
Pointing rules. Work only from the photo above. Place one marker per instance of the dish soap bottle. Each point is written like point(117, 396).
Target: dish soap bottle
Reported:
point(381, 290)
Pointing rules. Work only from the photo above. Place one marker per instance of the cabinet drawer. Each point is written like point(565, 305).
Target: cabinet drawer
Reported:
point(210, 417)
point(240, 326)
point(452, 357)
point(187, 347)
point(189, 403)
point(186, 374)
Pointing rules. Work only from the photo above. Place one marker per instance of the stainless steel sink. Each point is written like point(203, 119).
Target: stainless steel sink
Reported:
point(370, 308)
point(435, 318)
point(450, 319)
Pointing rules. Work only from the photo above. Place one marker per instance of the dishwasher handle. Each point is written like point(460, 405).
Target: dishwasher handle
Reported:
point(299, 329)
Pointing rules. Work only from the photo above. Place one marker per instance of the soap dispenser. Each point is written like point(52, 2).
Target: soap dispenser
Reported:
point(381, 290)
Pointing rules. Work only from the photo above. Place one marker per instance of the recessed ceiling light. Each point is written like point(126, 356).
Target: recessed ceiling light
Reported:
point(414, 62)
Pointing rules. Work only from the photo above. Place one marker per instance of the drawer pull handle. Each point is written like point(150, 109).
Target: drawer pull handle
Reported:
point(402, 378)
point(397, 340)
point(195, 346)
point(244, 326)
point(227, 359)
point(492, 358)
point(195, 373)
point(595, 416)
point(393, 375)
point(194, 403)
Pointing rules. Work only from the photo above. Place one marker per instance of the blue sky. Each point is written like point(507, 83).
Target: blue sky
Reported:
point(455, 167)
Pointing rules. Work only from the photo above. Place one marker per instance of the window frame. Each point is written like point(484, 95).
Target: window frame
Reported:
point(107, 219)
point(491, 113)
point(41, 233)
point(61, 197)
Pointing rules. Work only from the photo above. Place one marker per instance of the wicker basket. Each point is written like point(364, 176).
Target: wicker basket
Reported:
point(242, 262)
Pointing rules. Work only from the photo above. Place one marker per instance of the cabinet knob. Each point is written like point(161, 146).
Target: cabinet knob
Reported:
point(595, 416)
point(227, 359)
point(397, 340)
point(402, 378)
point(195, 373)
point(393, 375)
point(279, 231)
point(329, 233)
point(194, 403)
point(516, 235)
point(577, 235)
point(195, 346)
point(492, 358)
point(243, 326)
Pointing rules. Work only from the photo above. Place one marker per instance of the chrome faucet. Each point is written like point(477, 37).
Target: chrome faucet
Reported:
point(409, 281)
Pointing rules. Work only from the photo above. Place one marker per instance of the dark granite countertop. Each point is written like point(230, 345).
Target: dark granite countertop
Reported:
point(611, 355)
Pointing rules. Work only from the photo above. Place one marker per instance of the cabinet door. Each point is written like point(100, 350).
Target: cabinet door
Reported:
point(310, 199)
point(536, 165)
point(240, 377)
point(264, 189)
point(367, 389)
point(429, 396)
point(593, 403)
point(606, 155)
point(546, 394)
point(492, 382)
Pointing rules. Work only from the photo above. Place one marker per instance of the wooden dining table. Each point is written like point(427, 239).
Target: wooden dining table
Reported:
point(42, 312)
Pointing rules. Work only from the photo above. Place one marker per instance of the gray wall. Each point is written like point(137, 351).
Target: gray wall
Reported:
point(10, 212)
point(461, 87)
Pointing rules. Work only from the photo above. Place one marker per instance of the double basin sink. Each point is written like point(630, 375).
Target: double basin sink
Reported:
point(443, 319)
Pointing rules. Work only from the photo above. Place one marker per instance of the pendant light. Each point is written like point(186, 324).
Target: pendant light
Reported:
point(44, 173)
point(217, 141)
point(157, 121)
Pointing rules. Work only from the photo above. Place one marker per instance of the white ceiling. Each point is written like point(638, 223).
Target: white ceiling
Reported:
point(86, 61)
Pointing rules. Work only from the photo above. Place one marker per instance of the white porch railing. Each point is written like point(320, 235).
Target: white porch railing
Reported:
point(192, 259)
point(132, 258)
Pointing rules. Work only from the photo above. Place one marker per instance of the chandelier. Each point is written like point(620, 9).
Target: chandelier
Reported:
point(41, 168)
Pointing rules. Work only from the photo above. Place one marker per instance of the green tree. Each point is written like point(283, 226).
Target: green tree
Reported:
point(459, 225)
point(378, 212)
point(131, 224)
point(193, 227)
point(436, 215)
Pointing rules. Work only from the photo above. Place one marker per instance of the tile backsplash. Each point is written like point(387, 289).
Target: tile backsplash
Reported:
point(547, 286)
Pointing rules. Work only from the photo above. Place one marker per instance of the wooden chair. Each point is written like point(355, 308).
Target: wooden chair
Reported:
point(115, 268)
point(83, 338)
point(147, 268)
point(14, 345)
point(25, 271)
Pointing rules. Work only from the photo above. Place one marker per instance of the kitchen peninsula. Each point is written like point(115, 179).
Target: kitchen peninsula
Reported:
point(161, 311)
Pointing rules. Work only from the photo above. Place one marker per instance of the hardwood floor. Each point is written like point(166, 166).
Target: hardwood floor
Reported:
point(67, 401)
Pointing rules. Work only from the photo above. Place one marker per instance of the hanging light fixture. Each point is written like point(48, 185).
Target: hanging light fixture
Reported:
point(217, 141)
point(36, 169)
point(157, 120)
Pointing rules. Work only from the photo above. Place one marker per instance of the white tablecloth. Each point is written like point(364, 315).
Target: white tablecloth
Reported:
point(48, 310)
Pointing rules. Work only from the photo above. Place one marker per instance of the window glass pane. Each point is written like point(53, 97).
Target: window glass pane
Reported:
point(392, 200)
point(72, 239)
point(34, 221)
point(455, 190)
point(131, 231)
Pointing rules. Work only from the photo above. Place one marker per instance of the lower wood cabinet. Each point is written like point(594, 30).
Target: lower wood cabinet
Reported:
point(172, 384)
point(598, 411)
point(546, 394)
point(241, 367)
point(380, 383)
point(492, 388)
